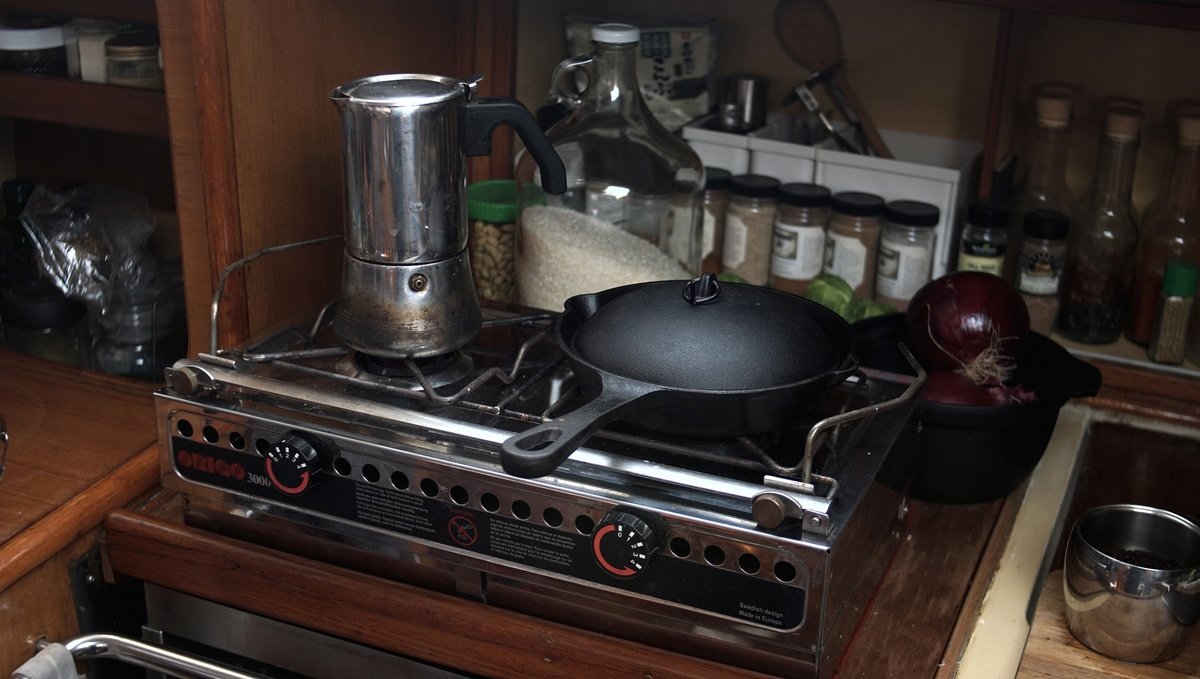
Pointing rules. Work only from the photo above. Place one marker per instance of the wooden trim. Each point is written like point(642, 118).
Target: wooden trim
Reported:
point(389, 615)
point(135, 11)
point(58, 529)
point(491, 53)
point(996, 103)
point(1184, 14)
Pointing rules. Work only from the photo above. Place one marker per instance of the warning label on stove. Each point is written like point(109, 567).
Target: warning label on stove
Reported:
point(392, 510)
point(531, 545)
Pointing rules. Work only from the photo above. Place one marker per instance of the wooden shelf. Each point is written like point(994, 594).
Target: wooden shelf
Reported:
point(133, 11)
point(1183, 14)
point(79, 104)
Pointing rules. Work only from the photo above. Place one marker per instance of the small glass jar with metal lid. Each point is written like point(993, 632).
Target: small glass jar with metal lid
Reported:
point(32, 43)
point(905, 250)
point(132, 60)
point(799, 245)
point(984, 243)
point(749, 224)
point(852, 242)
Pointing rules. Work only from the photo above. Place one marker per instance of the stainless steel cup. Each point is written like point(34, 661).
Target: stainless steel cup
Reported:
point(1131, 578)
point(743, 104)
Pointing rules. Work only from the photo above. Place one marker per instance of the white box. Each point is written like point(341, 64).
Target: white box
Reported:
point(931, 169)
point(772, 155)
point(724, 150)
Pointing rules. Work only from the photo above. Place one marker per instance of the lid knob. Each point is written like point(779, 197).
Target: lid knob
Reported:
point(701, 290)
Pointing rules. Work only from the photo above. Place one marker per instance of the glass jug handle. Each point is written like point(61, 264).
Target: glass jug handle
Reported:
point(486, 113)
point(562, 82)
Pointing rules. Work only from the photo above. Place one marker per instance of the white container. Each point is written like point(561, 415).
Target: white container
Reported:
point(725, 150)
point(774, 155)
point(930, 169)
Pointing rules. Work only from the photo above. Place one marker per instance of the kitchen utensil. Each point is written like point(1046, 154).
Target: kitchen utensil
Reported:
point(406, 282)
point(808, 31)
point(979, 453)
point(743, 106)
point(1131, 579)
point(722, 359)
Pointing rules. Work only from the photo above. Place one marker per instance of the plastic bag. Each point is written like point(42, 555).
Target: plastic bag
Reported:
point(91, 240)
point(676, 64)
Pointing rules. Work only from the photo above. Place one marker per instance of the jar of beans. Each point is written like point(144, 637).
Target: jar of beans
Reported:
point(492, 209)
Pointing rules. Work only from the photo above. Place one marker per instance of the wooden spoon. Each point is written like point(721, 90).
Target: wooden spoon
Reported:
point(808, 31)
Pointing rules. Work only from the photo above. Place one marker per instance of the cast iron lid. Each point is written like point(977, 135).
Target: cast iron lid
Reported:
point(708, 336)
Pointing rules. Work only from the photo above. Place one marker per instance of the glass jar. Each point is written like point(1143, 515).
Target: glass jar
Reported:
point(132, 60)
point(749, 224)
point(85, 40)
point(492, 209)
point(905, 260)
point(1168, 332)
point(1042, 254)
point(799, 237)
point(40, 321)
point(134, 334)
point(33, 44)
point(852, 241)
point(984, 243)
point(622, 166)
point(712, 231)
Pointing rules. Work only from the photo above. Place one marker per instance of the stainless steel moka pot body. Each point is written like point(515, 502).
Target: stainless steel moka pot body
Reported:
point(407, 290)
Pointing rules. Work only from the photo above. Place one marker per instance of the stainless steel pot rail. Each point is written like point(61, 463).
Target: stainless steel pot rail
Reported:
point(131, 651)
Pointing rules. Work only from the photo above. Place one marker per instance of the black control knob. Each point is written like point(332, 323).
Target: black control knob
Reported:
point(294, 461)
point(624, 544)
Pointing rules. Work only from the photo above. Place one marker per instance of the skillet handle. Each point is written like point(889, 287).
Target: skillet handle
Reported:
point(538, 451)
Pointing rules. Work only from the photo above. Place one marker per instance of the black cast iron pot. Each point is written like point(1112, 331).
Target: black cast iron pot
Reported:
point(698, 358)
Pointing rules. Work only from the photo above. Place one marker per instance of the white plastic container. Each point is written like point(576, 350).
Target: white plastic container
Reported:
point(725, 150)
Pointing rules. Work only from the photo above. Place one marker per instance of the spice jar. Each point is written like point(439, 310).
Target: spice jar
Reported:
point(712, 231)
point(1168, 339)
point(905, 259)
point(492, 208)
point(1040, 264)
point(984, 244)
point(33, 44)
point(132, 60)
point(749, 224)
point(852, 243)
point(799, 246)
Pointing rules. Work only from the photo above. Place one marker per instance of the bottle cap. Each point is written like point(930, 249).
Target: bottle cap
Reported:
point(911, 213)
point(754, 186)
point(804, 195)
point(1179, 279)
point(1052, 101)
point(1189, 122)
point(716, 179)
point(493, 201)
point(1122, 123)
point(615, 34)
point(986, 214)
point(1046, 224)
point(857, 204)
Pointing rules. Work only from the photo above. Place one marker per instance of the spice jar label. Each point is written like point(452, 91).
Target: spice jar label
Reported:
point(902, 270)
point(708, 235)
point(798, 252)
point(735, 241)
point(1039, 273)
point(846, 258)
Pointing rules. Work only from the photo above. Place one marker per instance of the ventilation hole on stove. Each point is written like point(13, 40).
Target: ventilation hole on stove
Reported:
point(237, 441)
point(211, 435)
point(184, 428)
point(429, 487)
point(370, 472)
point(262, 445)
point(784, 571)
point(552, 517)
point(749, 564)
point(342, 466)
point(584, 524)
point(489, 502)
point(520, 509)
point(680, 548)
point(459, 495)
point(714, 555)
point(399, 480)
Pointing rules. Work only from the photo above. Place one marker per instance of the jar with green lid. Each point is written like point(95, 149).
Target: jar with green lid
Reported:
point(132, 60)
point(1169, 334)
point(492, 207)
point(905, 260)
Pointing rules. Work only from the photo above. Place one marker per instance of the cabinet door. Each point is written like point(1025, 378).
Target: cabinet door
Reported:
point(257, 147)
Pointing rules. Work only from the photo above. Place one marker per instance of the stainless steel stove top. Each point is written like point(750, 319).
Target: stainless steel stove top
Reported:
point(758, 551)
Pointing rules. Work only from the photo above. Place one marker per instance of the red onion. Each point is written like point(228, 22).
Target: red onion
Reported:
point(970, 322)
point(957, 389)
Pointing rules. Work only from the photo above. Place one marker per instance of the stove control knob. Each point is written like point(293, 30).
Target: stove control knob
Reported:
point(294, 461)
point(624, 544)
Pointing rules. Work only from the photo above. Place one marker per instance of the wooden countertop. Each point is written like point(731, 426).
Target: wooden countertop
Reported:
point(1052, 652)
point(73, 454)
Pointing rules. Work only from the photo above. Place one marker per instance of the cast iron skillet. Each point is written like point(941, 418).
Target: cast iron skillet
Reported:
point(718, 360)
